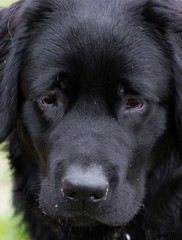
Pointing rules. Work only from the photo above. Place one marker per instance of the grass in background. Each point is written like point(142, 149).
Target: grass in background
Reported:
point(10, 225)
point(5, 3)
point(11, 229)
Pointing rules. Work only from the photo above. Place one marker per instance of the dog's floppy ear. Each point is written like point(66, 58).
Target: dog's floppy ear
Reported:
point(9, 62)
point(166, 15)
point(16, 29)
point(175, 39)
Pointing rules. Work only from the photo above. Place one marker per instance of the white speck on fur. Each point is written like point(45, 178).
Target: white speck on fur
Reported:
point(127, 236)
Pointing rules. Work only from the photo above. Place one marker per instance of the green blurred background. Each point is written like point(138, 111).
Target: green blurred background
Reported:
point(11, 227)
point(4, 3)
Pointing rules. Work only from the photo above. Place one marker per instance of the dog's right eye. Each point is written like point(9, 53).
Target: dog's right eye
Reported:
point(134, 103)
point(51, 105)
point(50, 100)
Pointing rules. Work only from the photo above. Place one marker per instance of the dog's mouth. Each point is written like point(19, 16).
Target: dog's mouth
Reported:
point(81, 221)
point(87, 221)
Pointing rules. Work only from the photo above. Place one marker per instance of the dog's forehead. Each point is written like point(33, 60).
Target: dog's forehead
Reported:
point(99, 49)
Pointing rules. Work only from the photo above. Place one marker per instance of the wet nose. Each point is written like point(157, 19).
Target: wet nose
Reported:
point(83, 188)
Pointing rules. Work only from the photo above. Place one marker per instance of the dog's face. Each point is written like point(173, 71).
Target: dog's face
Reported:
point(94, 106)
point(93, 102)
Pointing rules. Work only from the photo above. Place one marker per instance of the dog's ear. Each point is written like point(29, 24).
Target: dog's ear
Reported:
point(9, 67)
point(19, 24)
point(166, 16)
point(175, 39)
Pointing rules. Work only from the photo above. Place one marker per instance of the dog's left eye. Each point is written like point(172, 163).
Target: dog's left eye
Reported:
point(134, 103)
point(50, 100)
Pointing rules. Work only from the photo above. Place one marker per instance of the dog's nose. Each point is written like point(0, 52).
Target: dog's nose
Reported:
point(82, 187)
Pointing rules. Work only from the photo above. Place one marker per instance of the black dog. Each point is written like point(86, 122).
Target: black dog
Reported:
point(91, 99)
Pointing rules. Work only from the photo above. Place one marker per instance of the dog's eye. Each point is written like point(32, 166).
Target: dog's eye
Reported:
point(50, 100)
point(134, 103)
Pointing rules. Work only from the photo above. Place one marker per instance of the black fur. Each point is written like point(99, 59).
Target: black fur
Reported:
point(94, 87)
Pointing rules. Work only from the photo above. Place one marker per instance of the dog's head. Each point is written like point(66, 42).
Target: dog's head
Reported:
point(91, 89)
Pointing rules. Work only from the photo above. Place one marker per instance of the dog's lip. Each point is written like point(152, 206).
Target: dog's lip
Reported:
point(80, 221)
point(86, 220)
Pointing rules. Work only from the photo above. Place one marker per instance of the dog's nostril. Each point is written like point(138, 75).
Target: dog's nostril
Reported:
point(70, 195)
point(100, 194)
point(67, 192)
point(95, 197)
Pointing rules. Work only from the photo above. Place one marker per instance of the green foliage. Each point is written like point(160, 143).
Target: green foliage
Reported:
point(12, 228)
point(5, 3)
